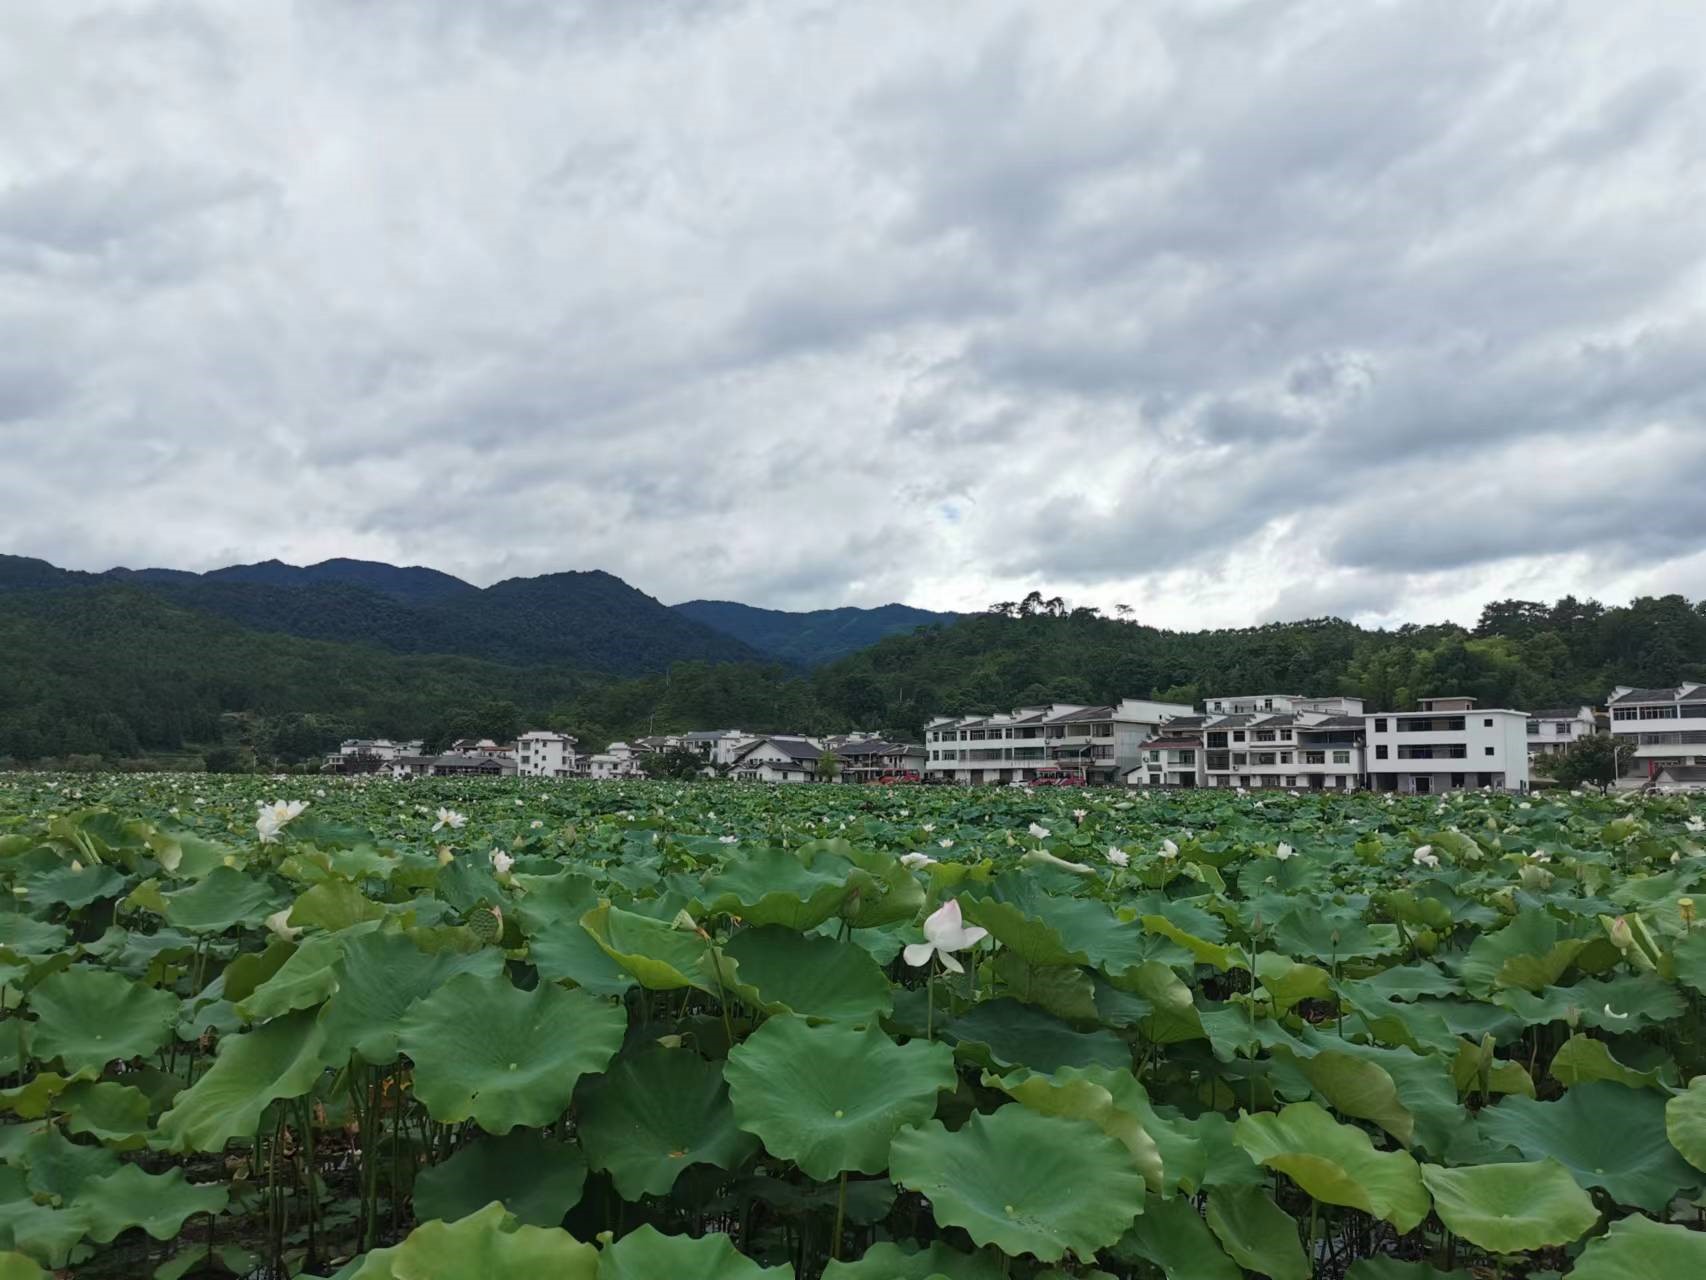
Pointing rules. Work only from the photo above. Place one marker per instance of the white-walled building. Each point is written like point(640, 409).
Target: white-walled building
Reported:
point(716, 746)
point(778, 759)
point(1282, 704)
point(1101, 744)
point(541, 753)
point(1168, 761)
point(1555, 730)
point(618, 760)
point(1667, 727)
point(1448, 744)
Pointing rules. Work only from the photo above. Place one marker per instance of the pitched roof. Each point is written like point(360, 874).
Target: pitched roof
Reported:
point(1171, 744)
point(1083, 713)
point(1648, 695)
point(1556, 713)
point(1335, 722)
point(1684, 772)
point(1232, 722)
point(1187, 722)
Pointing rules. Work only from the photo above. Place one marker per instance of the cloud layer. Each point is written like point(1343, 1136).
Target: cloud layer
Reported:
point(1228, 311)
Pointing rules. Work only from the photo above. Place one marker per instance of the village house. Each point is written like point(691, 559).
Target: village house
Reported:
point(1666, 728)
point(780, 758)
point(618, 760)
point(1448, 744)
point(541, 753)
point(1037, 743)
point(873, 759)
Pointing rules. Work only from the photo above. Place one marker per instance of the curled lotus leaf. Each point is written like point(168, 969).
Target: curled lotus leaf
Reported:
point(1023, 1181)
point(1336, 1163)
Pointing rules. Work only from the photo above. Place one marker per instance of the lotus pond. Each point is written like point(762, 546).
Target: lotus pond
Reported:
point(434, 1029)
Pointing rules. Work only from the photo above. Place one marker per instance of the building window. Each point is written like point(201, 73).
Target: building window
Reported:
point(1341, 757)
point(1623, 713)
point(1188, 757)
point(1237, 735)
point(1484, 779)
point(1380, 752)
point(1264, 735)
point(1487, 723)
point(1380, 726)
point(1314, 757)
point(1486, 751)
point(1533, 728)
point(1217, 739)
point(1658, 713)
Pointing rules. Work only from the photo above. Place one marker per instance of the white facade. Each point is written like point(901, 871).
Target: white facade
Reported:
point(1553, 732)
point(540, 753)
point(778, 759)
point(1666, 727)
point(1101, 744)
point(1448, 745)
point(618, 760)
point(716, 746)
point(1281, 704)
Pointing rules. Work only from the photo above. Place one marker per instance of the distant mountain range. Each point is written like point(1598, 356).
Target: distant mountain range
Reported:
point(589, 620)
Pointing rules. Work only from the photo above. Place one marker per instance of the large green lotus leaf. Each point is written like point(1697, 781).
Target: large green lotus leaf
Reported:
point(54, 1166)
point(1336, 1163)
point(1256, 1233)
point(1531, 952)
point(34, 1099)
point(27, 936)
point(158, 1203)
point(895, 897)
point(1606, 1135)
point(814, 977)
point(1637, 1248)
point(886, 1260)
point(303, 981)
point(568, 953)
point(1066, 991)
point(829, 1097)
point(1393, 1269)
point(1219, 955)
point(773, 886)
point(1309, 934)
point(87, 1017)
point(115, 1115)
point(1079, 1096)
point(1174, 1017)
point(15, 1266)
point(1582, 1059)
point(1001, 1034)
point(1511, 1208)
point(661, 956)
point(1357, 1087)
point(1287, 982)
point(247, 971)
point(655, 1114)
point(648, 1254)
point(333, 905)
point(1424, 1084)
point(1012, 915)
point(1023, 1181)
point(225, 898)
point(490, 1245)
point(1403, 982)
point(488, 1051)
point(537, 1178)
point(1685, 1122)
point(44, 1233)
point(73, 886)
point(1171, 1234)
point(378, 978)
point(1629, 1002)
point(281, 1059)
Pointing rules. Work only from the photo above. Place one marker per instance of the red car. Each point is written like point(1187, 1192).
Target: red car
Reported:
point(890, 779)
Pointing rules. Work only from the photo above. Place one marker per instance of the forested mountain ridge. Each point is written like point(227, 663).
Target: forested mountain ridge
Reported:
point(813, 637)
point(590, 621)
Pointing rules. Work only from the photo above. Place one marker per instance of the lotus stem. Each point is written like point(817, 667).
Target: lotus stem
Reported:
point(840, 1218)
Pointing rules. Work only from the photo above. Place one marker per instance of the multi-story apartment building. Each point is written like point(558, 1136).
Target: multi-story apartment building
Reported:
point(1099, 744)
point(618, 760)
point(1448, 744)
point(716, 746)
point(1554, 731)
point(873, 759)
point(1667, 728)
point(1168, 761)
point(1282, 703)
point(541, 753)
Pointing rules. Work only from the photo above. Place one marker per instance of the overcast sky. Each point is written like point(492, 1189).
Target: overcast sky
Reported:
point(1227, 311)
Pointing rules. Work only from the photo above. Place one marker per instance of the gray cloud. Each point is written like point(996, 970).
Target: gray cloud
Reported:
point(1230, 311)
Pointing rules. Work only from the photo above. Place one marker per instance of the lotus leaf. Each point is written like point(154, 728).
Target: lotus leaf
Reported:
point(536, 1178)
point(814, 977)
point(656, 1114)
point(88, 1017)
point(1336, 1163)
point(490, 1244)
point(1256, 1233)
point(281, 1059)
point(487, 1051)
point(648, 1254)
point(1606, 1135)
point(1511, 1208)
point(378, 977)
point(1023, 1181)
point(830, 1097)
point(1637, 1248)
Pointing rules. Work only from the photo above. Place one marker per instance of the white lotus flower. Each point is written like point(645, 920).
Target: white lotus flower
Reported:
point(1696, 823)
point(535, 824)
point(728, 839)
point(1425, 857)
point(1116, 855)
point(450, 818)
point(945, 843)
point(501, 861)
point(944, 932)
point(272, 817)
point(279, 923)
point(1284, 851)
point(1039, 831)
point(928, 827)
point(1169, 849)
point(1540, 855)
point(916, 860)
point(1080, 814)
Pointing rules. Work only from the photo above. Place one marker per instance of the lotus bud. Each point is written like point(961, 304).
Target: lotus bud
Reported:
point(1573, 1017)
point(445, 857)
point(1686, 906)
point(1621, 937)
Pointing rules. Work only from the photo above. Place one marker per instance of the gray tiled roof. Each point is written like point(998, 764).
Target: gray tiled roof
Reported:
point(1648, 695)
